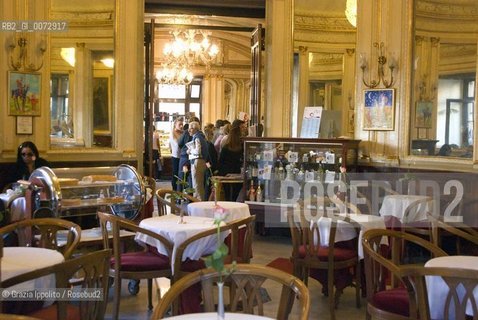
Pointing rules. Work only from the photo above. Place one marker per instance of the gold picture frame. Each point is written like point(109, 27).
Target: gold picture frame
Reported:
point(379, 109)
point(24, 94)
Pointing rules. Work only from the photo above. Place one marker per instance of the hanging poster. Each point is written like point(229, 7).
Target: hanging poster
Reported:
point(311, 122)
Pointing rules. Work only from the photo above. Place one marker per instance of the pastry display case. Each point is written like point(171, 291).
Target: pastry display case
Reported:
point(75, 192)
point(269, 162)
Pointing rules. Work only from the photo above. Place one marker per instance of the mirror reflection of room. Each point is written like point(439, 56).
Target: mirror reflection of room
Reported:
point(82, 76)
point(444, 84)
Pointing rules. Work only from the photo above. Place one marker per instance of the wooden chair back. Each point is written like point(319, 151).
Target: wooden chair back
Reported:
point(248, 279)
point(461, 284)
point(114, 225)
point(92, 268)
point(464, 236)
point(386, 265)
point(163, 197)
point(240, 248)
point(45, 233)
point(306, 242)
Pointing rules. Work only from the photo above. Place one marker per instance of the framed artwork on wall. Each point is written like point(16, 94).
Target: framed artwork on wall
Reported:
point(24, 125)
point(379, 109)
point(423, 114)
point(102, 105)
point(24, 91)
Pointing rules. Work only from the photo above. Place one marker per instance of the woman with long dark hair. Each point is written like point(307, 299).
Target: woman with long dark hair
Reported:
point(230, 160)
point(28, 159)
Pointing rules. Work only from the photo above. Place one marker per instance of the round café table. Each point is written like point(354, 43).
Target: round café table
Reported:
point(232, 210)
point(20, 260)
point(437, 288)
point(213, 315)
point(169, 227)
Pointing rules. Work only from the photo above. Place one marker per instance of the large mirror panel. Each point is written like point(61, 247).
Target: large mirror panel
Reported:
point(82, 75)
point(445, 62)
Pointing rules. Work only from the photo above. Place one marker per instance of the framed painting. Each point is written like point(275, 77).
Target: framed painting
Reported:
point(24, 91)
point(423, 114)
point(101, 105)
point(379, 109)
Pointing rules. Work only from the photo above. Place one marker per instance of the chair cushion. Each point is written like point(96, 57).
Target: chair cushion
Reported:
point(50, 313)
point(142, 261)
point(340, 254)
point(392, 300)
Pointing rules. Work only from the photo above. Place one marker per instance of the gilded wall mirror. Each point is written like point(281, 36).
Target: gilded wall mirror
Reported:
point(445, 63)
point(82, 75)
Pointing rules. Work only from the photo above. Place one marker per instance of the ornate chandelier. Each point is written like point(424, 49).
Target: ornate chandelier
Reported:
point(351, 12)
point(174, 74)
point(188, 48)
point(191, 47)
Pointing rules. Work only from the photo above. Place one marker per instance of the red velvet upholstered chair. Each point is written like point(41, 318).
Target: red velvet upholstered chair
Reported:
point(335, 266)
point(390, 293)
point(145, 264)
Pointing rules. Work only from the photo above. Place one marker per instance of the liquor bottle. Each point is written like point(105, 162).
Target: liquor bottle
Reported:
point(281, 173)
point(255, 170)
point(259, 193)
point(252, 192)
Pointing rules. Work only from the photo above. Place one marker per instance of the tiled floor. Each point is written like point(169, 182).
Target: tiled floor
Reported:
point(265, 249)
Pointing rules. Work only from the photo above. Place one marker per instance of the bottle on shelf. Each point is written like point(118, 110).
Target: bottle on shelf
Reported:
point(255, 170)
point(259, 193)
point(251, 193)
point(281, 173)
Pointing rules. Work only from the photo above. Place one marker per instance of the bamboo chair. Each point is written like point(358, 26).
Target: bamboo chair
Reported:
point(44, 232)
point(390, 294)
point(163, 197)
point(308, 253)
point(248, 279)
point(146, 264)
point(93, 268)
point(460, 284)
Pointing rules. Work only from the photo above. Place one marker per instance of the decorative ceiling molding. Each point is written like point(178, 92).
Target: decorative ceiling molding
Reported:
point(457, 10)
point(80, 18)
point(322, 23)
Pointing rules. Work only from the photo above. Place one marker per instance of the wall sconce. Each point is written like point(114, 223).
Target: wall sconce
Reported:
point(19, 54)
point(382, 60)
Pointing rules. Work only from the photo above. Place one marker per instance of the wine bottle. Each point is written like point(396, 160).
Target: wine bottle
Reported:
point(252, 192)
point(259, 193)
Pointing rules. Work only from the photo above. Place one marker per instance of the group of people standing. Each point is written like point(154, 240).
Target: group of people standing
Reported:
point(196, 154)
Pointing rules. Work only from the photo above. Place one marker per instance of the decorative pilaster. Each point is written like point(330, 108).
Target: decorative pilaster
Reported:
point(278, 67)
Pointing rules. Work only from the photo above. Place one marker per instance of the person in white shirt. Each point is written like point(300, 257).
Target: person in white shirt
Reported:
point(198, 156)
point(176, 133)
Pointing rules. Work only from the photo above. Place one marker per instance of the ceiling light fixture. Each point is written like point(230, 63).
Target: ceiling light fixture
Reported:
point(351, 12)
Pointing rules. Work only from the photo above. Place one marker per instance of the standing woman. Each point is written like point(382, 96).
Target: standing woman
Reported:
point(28, 159)
point(175, 150)
point(230, 160)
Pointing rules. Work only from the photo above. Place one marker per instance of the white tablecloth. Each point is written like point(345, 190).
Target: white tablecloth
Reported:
point(438, 290)
point(345, 231)
point(168, 227)
point(233, 210)
point(396, 205)
point(19, 260)
point(212, 315)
